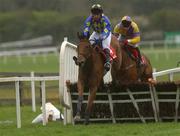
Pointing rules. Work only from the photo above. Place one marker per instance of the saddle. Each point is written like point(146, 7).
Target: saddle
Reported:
point(134, 54)
point(112, 52)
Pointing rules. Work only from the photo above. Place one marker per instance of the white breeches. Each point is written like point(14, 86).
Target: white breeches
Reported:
point(105, 43)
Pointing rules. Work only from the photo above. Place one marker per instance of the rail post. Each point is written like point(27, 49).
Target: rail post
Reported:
point(33, 92)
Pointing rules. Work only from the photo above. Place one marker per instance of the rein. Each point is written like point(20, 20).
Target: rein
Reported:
point(128, 67)
point(97, 46)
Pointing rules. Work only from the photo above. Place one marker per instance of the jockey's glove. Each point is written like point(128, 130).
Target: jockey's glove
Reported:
point(86, 34)
point(125, 42)
point(103, 36)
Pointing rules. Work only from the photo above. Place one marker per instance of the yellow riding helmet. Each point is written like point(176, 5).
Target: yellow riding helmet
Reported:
point(126, 21)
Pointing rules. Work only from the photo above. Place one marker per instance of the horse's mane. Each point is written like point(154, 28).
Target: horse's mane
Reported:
point(82, 37)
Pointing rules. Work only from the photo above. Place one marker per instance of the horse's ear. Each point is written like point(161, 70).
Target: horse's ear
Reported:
point(78, 35)
point(88, 35)
point(82, 36)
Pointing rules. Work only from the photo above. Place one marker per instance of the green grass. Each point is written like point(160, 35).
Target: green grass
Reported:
point(8, 92)
point(58, 129)
point(163, 59)
point(160, 59)
point(36, 63)
point(8, 113)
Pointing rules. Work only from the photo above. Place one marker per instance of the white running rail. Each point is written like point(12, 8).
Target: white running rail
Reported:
point(44, 50)
point(169, 72)
point(32, 80)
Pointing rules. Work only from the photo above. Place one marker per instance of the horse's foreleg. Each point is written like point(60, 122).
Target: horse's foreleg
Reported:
point(79, 105)
point(80, 87)
point(90, 104)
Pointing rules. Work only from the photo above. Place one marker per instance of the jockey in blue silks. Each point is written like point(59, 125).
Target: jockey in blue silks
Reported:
point(101, 31)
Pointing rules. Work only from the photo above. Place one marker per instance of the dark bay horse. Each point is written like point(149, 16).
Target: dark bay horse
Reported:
point(90, 60)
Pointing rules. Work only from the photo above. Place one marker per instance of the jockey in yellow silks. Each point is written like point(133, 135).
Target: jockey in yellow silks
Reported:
point(128, 33)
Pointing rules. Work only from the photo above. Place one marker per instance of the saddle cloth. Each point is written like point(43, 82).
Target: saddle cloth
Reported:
point(112, 53)
point(135, 54)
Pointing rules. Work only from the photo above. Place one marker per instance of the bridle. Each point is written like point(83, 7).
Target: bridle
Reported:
point(84, 54)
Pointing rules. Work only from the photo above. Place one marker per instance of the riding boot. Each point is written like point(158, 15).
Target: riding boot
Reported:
point(107, 64)
point(139, 59)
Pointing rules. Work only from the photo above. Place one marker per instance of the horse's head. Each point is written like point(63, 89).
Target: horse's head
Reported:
point(84, 50)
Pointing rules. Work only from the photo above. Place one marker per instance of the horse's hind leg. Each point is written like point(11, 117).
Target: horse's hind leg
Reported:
point(90, 104)
point(147, 75)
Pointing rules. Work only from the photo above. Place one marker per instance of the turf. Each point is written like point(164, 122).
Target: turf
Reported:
point(160, 59)
point(8, 127)
point(36, 63)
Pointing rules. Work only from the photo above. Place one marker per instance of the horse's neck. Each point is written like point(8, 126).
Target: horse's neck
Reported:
point(126, 60)
point(93, 69)
point(96, 58)
point(94, 62)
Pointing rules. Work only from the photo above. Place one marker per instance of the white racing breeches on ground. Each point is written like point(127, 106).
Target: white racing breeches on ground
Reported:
point(105, 43)
point(51, 110)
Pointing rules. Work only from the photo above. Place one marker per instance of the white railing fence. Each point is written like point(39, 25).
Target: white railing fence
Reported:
point(32, 47)
point(157, 49)
point(46, 40)
point(32, 80)
point(169, 72)
point(160, 43)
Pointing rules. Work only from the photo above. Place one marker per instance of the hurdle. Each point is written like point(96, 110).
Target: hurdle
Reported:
point(116, 103)
point(68, 97)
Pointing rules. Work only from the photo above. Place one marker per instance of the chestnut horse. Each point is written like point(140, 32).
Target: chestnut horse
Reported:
point(91, 60)
point(130, 71)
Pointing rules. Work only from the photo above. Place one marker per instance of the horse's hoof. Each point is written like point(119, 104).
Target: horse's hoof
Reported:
point(152, 81)
point(86, 122)
point(77, 118)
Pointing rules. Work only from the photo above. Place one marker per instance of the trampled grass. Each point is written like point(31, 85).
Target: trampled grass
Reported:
point(8, 127)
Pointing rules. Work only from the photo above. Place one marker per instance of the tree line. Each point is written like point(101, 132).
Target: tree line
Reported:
point(23, 19)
